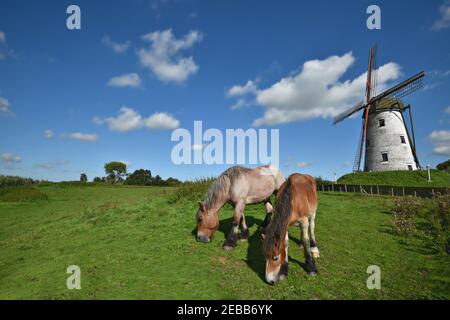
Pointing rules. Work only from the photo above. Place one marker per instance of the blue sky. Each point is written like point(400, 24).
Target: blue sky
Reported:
point(164, 64)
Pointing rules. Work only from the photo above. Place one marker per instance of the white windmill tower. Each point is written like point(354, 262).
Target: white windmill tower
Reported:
point(385, 136)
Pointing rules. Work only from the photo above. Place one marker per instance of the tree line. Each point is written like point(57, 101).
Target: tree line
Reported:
point(116, 172)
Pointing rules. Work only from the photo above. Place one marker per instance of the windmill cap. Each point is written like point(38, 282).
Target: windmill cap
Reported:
point(388, 103)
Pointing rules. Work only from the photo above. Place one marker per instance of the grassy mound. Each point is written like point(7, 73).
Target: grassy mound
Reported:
point(21, 194)
point(417, 178)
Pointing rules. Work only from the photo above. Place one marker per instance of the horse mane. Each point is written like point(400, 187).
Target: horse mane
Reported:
point(220, 187)
point(280, 221)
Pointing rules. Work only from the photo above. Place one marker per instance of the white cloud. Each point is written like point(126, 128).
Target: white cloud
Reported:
point(51, 165)
point(116, 46)
point(89, 137)
point(447, 110)
point(431, 86)
point(48, 134)
point(4, 105)
point(163, 58)
point(129, 119)
point(237, 90)
point(162, 121)
point(444, 17)
point(10, 158)
point(127, 80)
point(303, 164)
point(2, 37)
point(316, 90)
point(441, 142)
point(240, 103)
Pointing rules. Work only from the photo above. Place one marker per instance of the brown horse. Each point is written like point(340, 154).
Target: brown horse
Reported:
point(238, 186)
point(296, 203)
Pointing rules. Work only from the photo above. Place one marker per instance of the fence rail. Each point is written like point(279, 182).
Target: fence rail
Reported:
point(423, 192)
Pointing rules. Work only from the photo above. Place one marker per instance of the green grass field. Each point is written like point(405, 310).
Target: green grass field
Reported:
point(417, 178)
point(131, 243)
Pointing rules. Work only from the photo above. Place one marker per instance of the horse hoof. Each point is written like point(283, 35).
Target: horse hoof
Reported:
point(227, 248)
point(315, 252)
point(244, 235)
point(312, 273)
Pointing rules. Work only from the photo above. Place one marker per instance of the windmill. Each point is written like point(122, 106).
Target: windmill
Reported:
point(384, 135)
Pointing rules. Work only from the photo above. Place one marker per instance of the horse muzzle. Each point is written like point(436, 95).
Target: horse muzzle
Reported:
point(271, 278)
point(202, 238)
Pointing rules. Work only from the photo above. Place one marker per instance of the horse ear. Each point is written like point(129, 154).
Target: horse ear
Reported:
point(201, 206)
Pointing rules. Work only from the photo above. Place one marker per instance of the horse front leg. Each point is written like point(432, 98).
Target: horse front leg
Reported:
point(285, 266)
point(312, 225)
point(244, 229)
point(310, 265)
point(231, 241)
point(268, 218)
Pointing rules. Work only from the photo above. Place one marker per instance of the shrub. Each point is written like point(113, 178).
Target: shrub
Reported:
point(320, 180)
point(191, 190)
point(444, 165)
point(20, 194)
point(438, 217)
point(404, 212)
point(83, 177)
point(13, 181)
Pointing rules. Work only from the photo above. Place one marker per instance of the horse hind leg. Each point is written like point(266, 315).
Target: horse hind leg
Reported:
point(310, 265)
point(313, 244)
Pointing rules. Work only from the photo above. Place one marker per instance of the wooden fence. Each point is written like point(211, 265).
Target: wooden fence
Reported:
point(424, 192)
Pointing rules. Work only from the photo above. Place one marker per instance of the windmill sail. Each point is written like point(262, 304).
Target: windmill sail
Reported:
point(347, 113)
point(402, 89)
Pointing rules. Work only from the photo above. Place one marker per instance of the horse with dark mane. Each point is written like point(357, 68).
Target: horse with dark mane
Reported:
point(238, 186)
point(296, 203)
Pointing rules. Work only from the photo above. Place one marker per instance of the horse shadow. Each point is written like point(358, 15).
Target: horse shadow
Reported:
point(255, 258)
point(225, 225)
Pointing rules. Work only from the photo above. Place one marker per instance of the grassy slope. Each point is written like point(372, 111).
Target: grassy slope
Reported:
point(129, 243)
point(417, 178)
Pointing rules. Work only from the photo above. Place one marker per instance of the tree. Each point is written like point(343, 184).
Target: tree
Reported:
point(83, 177)
point(172, 182)
point(140, 177)
point(115, 171)
point(97, 179)
point(157, 181)
point(444, 165)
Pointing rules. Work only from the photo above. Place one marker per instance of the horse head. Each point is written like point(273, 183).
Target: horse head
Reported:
point(207, 223)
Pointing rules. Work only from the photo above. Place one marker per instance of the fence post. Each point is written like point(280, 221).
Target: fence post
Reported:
point(392, 190)
point(378, 190)
point(403, 191)
point(345, 187)
point(415, 194)
point(371, 191)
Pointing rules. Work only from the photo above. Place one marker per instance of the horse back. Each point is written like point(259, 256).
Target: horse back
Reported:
point(304, 194)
